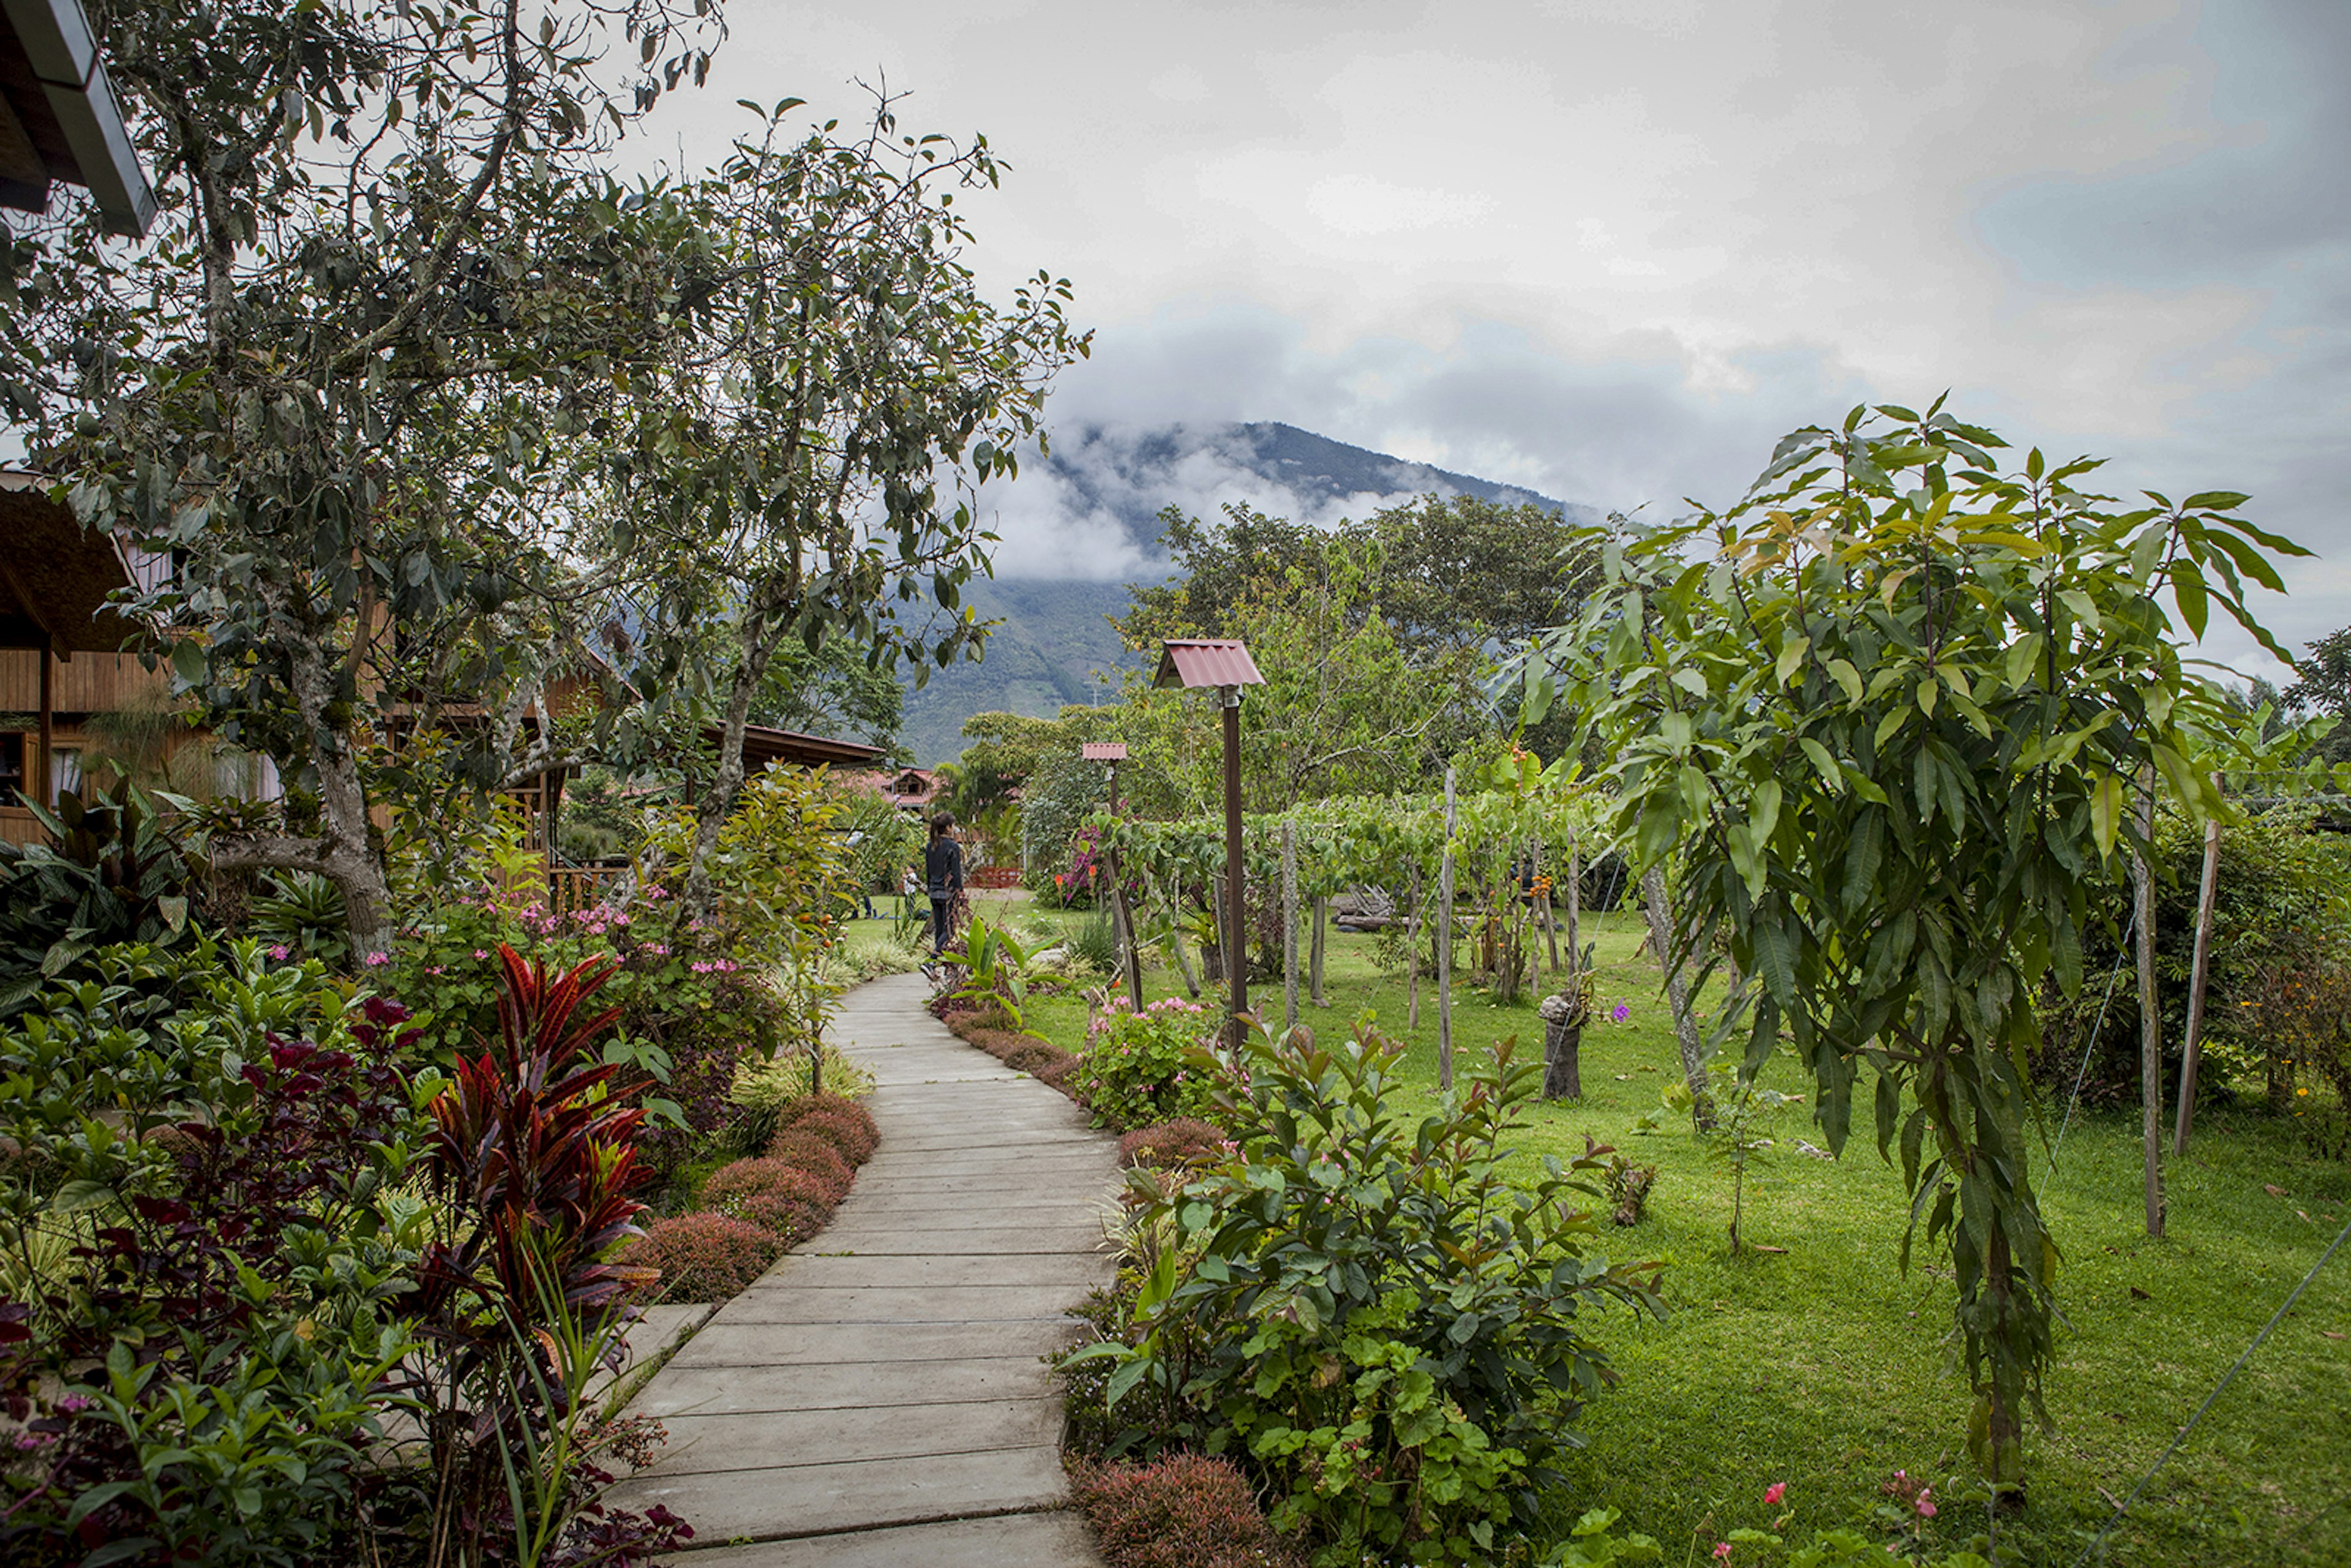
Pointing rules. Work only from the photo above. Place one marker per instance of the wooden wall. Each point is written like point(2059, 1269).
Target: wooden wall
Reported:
point(88, 683)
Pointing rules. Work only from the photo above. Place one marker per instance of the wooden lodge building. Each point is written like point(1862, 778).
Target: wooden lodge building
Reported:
point(63, 676)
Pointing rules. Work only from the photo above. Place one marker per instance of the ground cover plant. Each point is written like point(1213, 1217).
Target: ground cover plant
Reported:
point(1821, 1366)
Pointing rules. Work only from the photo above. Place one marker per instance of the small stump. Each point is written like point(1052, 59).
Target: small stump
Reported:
point(1562, 1018)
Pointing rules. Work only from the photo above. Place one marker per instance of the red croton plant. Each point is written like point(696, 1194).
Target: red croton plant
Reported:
point(533, 1147)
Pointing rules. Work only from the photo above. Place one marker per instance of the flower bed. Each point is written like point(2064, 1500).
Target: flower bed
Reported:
point(752, 1211)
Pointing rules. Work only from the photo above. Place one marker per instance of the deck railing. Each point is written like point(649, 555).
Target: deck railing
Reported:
point(570, 887)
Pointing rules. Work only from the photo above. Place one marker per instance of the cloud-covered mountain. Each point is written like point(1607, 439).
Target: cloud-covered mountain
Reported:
point(1080, 525)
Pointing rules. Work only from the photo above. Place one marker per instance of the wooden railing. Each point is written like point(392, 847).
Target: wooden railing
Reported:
point(570, 887)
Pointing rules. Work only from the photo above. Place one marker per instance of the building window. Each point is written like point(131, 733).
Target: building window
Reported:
point(65, 771)
point(13, 750)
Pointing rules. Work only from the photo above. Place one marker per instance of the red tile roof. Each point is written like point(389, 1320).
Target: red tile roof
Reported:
point(1102, 750)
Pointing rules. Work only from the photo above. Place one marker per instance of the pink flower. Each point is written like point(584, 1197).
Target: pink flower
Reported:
point(1722, 1552)
point(280, 952)
point(378, 960)
point(481, 953)
point(1774, 1493)
point(1926, 1502)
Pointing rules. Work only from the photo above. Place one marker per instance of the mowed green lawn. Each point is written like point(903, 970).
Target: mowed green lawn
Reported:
point(1829, 1369)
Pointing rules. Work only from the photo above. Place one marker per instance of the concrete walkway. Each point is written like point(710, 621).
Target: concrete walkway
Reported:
point(879, 1398)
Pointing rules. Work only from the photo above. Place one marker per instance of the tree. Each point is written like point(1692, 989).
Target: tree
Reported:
point(1892, 710)
point(388, 279)
point(2322, 684)
point(831, 691)
point(784, 480)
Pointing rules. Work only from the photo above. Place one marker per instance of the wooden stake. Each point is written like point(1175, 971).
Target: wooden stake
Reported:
point(1412, 956)
point(1289, 924)
point(1314, 970)
point(2192, 1046)
point(2150, 1029)
point(1445, 946)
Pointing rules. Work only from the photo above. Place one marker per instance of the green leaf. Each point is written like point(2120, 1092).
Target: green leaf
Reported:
point(2215, 501)
point(2106, 812)
point(2188, 591)
point(1845, 676)
point(1791, 654)
point(80, 1195)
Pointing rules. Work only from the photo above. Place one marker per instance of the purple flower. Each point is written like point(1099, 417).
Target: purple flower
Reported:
point(280, 952)
point(1620, 1013)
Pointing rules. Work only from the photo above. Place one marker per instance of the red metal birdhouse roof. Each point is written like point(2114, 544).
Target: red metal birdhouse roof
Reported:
point(1102, 750)
point(1207, 662)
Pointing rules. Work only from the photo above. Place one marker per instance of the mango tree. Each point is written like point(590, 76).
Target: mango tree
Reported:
point(1889, 711)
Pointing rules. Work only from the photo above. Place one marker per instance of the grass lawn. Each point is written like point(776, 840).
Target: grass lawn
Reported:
point(1827, 1368)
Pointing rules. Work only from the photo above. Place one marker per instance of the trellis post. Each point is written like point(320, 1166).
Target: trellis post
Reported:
point(2151, 1017)
point(2192, 1045)
point(1445, 946)
point(1110, 754)
point(1289, 924)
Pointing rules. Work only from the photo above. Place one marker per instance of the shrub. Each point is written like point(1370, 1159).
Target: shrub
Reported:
point(793, 1219)
point(1183, 1511)
point(1366, 1310)
point(1032, 1058)
point(814, 1155)
point(705, 1256)
point(730, 1184)
point(768, 1092)
point(1183, 1144)
point(851, 1131)
point(1137, 1070)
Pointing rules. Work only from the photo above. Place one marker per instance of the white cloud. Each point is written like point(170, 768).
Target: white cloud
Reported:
point(1608, 247)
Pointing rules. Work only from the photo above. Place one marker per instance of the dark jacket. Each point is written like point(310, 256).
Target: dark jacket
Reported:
point(943, 867)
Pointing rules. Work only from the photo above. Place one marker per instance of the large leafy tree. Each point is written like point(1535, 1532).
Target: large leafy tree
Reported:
point(389, 281)
point(1890, 712)
point(804, 470)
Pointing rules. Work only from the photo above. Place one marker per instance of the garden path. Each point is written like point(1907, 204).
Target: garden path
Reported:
point(879, 1398)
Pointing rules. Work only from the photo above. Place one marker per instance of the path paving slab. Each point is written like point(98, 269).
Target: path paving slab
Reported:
point(1015, 1541)
point(883, 1397)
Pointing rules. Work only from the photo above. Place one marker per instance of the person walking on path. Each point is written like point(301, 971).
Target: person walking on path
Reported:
point(942, 872)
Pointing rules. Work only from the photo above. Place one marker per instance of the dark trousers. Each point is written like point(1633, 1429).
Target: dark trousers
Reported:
point(942, 921)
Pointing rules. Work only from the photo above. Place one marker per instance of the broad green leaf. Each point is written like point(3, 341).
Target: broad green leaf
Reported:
point(2106, 812)
point(1791, 654)
point(1845, 676)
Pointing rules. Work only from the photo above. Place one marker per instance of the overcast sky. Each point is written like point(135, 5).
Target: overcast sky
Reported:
point(1609, 250)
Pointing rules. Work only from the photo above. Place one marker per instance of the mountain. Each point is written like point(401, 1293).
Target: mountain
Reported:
point(1096, 503)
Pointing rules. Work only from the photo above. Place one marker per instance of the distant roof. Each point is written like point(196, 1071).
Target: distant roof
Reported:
point(1207, 662)
point(55, 576)
point(1102, 750)
point(58, 120)
point(763, 745)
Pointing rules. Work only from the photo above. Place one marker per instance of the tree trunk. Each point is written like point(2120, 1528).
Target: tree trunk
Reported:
point(710, 811)
point(1562, 1073)
point(1661, 938)
point(345, 853)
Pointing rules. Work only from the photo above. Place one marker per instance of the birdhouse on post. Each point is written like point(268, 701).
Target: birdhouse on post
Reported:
point(1224, 666)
